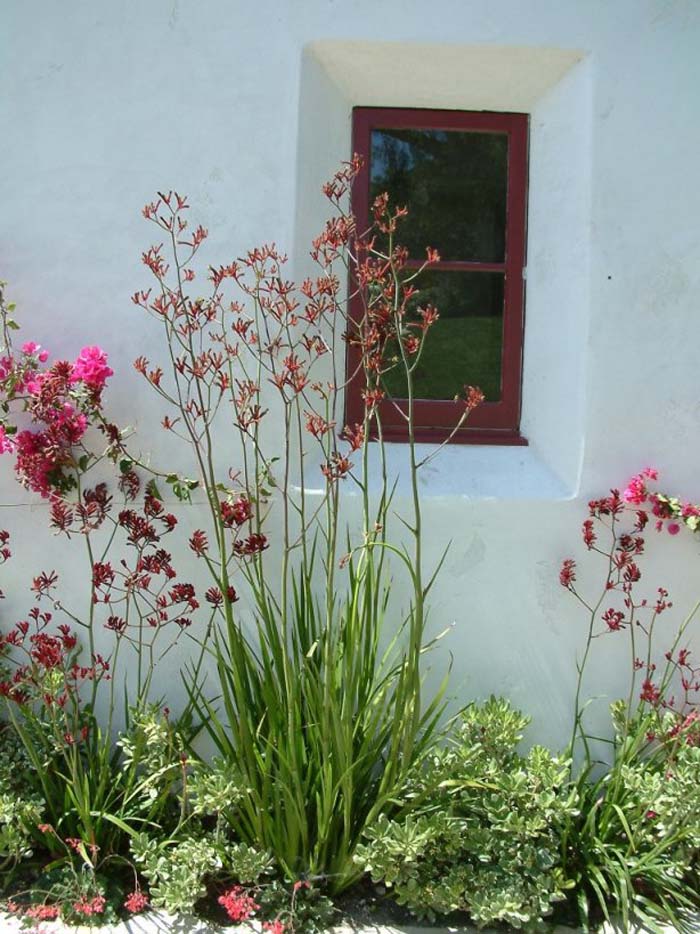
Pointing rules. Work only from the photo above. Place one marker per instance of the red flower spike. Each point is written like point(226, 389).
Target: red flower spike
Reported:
point(252, 545)
point(589, 536)
point(567, 574)
point(355, 436)
point(237, 512)
point(473, 397)
point(613, 619)
point(336, 468)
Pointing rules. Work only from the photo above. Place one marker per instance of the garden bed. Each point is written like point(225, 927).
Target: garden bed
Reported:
point(331, 759)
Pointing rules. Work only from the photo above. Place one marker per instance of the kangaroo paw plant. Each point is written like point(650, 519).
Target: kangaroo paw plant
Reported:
point(316, 713)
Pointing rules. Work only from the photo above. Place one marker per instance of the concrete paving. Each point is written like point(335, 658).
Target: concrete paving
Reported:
point(162, 923)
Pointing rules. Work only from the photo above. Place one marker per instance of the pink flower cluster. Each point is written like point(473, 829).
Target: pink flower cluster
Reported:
point(634, 613)
point(34, 912)
point(239, 906)
point(54, 401)
point(136, 902)
point(670, 512)
point(32, 349)
point(635, 492)
point(87, 907)
point(91, 368)
point(90, 906)
point(7, 445)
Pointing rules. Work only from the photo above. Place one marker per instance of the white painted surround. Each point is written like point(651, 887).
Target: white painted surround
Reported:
point(246, 108)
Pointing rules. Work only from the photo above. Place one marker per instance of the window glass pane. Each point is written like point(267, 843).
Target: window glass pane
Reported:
point(454, 184)
point(464, 346)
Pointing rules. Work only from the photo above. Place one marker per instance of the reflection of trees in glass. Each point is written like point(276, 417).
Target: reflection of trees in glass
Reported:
point(454, 185)
point(459, 294)
point(458, 352)
point(465, 345)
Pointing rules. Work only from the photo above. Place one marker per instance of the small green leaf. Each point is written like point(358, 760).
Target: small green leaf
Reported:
point(152, 490)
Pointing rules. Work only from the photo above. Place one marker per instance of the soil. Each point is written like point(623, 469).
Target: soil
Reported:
point(367, 905)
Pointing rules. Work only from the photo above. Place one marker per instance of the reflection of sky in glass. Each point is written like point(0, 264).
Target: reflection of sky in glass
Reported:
point(378, 165)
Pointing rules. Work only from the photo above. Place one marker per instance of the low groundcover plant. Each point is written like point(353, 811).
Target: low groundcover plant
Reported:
point(516, 838)
point(484, 837)
point(303, 671)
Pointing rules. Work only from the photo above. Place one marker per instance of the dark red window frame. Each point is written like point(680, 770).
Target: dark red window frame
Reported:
point(492, 422)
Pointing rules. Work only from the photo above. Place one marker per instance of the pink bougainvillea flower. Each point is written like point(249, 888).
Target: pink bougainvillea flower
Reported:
point(32, 349)
point(91, 368)
point(635, 492)
point(673, 528)
point(7, 445)
point(33, 386)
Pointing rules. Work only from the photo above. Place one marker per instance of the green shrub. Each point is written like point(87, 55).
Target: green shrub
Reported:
point(201, 848)
point(20, 811)
point(483, 834)
point(632, 852)
point(176, 870)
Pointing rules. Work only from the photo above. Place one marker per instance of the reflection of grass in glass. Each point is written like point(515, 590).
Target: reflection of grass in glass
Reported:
point(457, 351)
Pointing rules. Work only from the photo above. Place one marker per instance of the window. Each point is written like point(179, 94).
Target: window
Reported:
point(463, 177)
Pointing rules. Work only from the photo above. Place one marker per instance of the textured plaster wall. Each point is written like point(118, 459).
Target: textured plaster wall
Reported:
point(247, 108)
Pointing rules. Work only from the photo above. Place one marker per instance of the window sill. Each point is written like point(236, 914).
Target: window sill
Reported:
point(504, 472)
point(482, 471)
point(492, 436)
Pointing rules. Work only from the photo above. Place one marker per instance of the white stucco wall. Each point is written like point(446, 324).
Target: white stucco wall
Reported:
point(246, 108)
